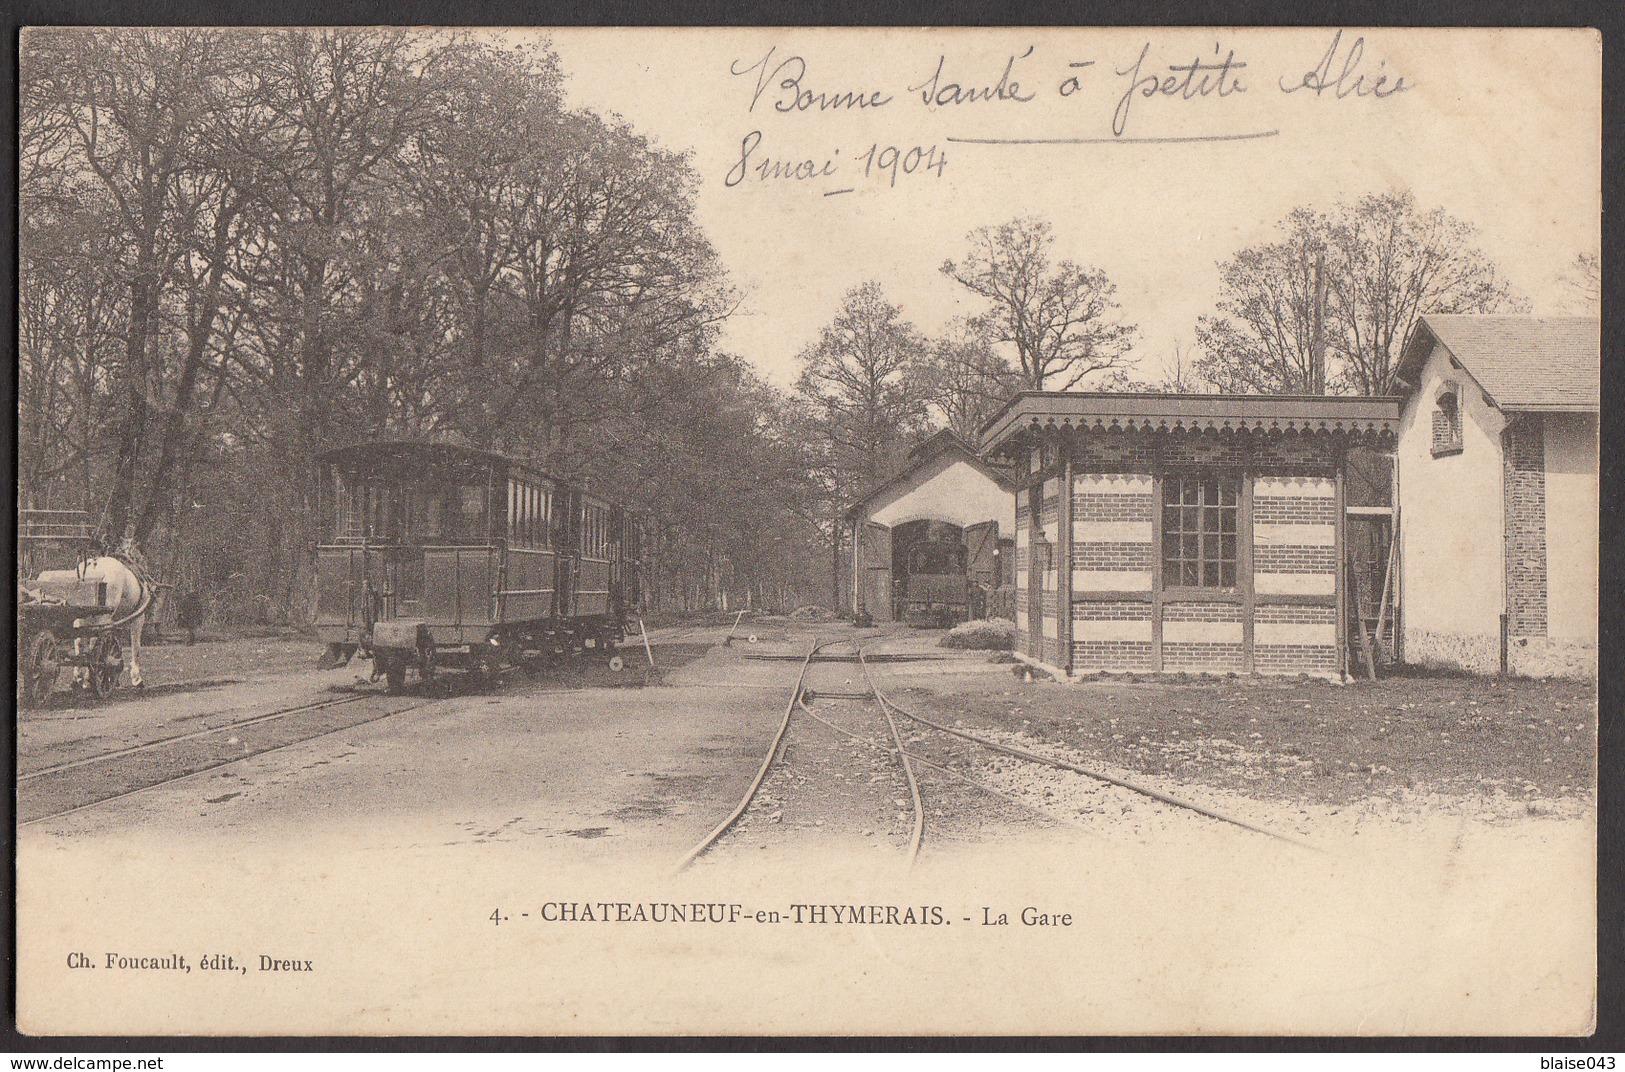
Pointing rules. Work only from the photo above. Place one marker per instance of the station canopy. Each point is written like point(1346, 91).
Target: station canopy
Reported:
point(1033, 415)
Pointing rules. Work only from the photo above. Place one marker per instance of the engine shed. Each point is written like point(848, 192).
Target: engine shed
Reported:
point(933, 545)
point(1169, 532)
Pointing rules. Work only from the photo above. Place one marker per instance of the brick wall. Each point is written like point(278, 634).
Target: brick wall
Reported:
point(1294, 555)
point(1202, 637)
point(1207, 657)
point(1295, 639)
point(1284, 510)
point(1212, 449)
point(1112, 636)
point(1294, 552)
point(1115, 453)
point(1112, 556)
point(1288, 453)
point(1524, 491)
point(1019, 601)
point(1288, 558)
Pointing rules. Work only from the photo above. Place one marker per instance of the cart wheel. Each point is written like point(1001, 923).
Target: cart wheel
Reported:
point(107, 663)
point(426, 667)
point(616, 664)
point(40, 672)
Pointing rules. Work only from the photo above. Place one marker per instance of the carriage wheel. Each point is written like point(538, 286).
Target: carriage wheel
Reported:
point(107, 664)
point(40, 671)
point(616, 664)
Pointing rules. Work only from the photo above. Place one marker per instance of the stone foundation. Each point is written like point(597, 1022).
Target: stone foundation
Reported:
point(1552, 657)
point(1459, 651)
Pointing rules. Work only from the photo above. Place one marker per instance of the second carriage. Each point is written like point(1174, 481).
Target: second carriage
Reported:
point(439, 556)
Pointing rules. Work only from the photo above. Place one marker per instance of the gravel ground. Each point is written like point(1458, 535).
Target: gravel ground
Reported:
point(1301, 757)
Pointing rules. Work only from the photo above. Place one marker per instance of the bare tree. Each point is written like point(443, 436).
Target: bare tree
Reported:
point(1263, 339)
point(138, 116)
point(856, 376)
point(963, 378)
point(1583, 280)
point(1060, 317)
point(1387, 264)
point(1384, 263)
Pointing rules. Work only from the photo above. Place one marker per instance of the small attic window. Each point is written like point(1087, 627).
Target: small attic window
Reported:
point(1447, 421)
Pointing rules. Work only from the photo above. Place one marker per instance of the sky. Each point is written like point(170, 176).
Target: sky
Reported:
point(1501, 128)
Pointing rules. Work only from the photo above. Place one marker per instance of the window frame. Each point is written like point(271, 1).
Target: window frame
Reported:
point(1172, 580)
point(1452, 442)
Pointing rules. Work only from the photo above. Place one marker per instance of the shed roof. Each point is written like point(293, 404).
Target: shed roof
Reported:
point(1038, 411)
point(1534, 363)
point(923, 455)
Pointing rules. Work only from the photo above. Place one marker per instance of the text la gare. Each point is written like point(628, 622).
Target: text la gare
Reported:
point(1029, 917)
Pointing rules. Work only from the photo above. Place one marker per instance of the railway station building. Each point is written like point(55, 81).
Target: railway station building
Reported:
point(933, 545)
point(1182, 532)
point(1498, 494)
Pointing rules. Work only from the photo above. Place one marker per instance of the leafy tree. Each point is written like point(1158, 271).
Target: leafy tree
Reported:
point(1060, 318)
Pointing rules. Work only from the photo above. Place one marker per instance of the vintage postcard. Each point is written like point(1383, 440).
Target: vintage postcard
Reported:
point(808, 531)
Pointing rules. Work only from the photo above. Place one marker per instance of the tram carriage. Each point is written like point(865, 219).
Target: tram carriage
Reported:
point(439, 556)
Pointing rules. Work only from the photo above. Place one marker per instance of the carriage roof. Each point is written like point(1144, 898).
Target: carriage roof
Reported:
point(408, 456)
point(398, 456)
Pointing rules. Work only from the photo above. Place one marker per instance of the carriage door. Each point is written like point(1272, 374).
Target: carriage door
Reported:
point(873, 581)
point(981, 565)
point(567, 541)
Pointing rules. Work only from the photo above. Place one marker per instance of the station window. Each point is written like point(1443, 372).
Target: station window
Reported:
point(1199, 521)
point(1447, 421)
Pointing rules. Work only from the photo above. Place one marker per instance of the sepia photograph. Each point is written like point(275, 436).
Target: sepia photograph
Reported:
point(807, 532)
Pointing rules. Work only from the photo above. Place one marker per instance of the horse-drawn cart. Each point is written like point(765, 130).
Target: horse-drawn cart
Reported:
point(57, 631)
point(66, 620)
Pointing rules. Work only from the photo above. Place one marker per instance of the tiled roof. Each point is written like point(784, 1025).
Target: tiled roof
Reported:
point(1523, 362)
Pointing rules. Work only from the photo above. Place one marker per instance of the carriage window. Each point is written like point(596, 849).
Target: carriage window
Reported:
point(530, 507)
point(595, 531)
point(1199, 532)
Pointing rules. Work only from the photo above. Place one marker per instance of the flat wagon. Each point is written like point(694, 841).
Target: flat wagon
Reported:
point(437, 556)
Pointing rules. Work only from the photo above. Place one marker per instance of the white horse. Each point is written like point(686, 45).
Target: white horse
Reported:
point(124, 595)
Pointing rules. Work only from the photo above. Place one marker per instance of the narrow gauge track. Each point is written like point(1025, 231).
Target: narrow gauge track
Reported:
point(1059, 764)
point(800, 694)
point(908, 759)
point(74, 786)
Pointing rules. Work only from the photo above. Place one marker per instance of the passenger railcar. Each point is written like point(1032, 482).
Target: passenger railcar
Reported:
point(443, 556)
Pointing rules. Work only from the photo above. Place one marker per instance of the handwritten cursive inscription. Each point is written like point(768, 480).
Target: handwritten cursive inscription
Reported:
point(783, 83)
point(1349, 79)
point(786, 79)
point(1199, 80)
point(935, 92)
point(764, 167)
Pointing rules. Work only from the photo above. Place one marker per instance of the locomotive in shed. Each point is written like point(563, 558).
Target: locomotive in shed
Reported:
point(436, 555)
